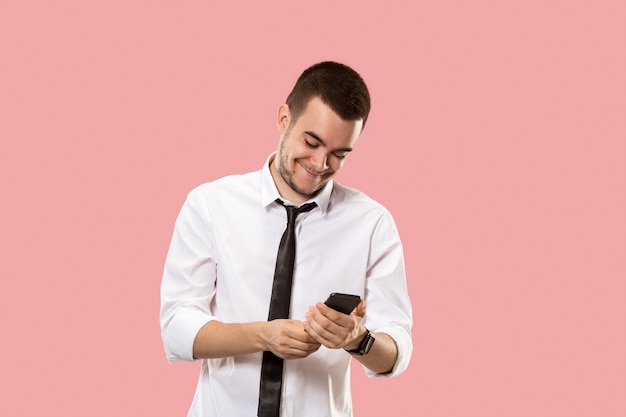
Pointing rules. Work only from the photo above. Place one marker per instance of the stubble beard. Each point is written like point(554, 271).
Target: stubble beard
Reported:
point(287, 175)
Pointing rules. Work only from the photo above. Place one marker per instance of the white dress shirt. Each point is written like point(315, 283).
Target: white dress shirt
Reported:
point(220, 266)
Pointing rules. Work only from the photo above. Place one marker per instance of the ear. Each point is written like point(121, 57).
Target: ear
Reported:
point(283, 118)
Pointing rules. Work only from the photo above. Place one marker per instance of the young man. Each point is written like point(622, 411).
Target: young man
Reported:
point(219, 284)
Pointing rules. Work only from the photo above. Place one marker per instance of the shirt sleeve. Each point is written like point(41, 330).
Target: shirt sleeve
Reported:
point(387, 301)
point(189, 280)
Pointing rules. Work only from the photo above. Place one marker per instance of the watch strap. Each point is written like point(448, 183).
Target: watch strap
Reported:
point(365, 346)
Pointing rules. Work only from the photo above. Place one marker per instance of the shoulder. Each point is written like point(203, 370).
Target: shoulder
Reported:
point(354, 199)
point(231, 186)
point(353, 205)
point(359, 213)
point(228, 190)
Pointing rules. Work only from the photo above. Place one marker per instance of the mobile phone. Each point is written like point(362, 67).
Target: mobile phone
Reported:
point(344, 303)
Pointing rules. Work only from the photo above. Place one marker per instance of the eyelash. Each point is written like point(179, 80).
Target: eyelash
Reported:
point(315, 146)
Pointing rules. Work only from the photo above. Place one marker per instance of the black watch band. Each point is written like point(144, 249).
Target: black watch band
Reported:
point(365, 346)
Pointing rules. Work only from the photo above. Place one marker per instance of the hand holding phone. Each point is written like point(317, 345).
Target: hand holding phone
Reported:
point(343, 303)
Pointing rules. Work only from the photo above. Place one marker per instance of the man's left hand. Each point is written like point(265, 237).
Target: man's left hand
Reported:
point(333, 329)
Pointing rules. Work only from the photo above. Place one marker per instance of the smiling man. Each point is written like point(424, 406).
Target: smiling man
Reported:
point(254, 256)
point(312, 149)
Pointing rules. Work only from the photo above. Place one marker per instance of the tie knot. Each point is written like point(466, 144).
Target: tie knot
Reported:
point(293, 211)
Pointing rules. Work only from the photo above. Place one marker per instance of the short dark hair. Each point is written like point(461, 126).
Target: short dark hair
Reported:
point(337, 85)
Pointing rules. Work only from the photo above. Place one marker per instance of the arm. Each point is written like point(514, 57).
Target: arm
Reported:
point(285, 338)
point(389, 309)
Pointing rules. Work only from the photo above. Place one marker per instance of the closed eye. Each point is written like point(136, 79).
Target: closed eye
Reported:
point(310, 144)
point(313, 141)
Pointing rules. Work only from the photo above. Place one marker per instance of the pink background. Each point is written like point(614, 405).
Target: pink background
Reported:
point(497, 139)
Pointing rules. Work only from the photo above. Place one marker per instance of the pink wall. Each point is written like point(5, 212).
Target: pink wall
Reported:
point(497, 139)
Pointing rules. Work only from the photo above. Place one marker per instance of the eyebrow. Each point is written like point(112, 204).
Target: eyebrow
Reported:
point(321, 141)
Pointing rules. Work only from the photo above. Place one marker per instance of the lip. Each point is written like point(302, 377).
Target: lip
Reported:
point(308, 172)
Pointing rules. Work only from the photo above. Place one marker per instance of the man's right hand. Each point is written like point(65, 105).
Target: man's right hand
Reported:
point(288, 340)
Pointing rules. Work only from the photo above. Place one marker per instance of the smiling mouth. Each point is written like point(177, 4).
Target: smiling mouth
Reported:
point(312, 173)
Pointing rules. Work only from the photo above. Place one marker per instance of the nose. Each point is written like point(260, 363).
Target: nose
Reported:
point(320, 161)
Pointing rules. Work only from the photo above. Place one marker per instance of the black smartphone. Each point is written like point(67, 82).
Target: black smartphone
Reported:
point(344, 303)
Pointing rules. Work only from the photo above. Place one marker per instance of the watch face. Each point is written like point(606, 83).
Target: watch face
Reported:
point(367, 343)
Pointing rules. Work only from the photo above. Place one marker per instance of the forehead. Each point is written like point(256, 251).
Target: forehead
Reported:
point(319, 118)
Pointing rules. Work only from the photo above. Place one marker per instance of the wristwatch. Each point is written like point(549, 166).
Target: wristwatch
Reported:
point(365, 346)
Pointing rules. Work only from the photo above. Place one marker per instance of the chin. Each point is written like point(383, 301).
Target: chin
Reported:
point(303, 191)
point(311, 191)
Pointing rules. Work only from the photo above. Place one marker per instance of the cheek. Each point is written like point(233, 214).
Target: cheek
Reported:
point(292, 154)
point(302, 153)
point(336, 164)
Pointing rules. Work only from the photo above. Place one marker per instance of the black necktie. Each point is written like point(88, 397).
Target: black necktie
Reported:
point(272, 366)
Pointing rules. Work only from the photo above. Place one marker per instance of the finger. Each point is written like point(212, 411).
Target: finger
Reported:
point(360, 309)
point(318, 325)
point(322, 338)
point(334, 316)
point(301, 350)
point(326, 333)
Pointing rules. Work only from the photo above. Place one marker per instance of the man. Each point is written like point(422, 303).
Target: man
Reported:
point(218, 286)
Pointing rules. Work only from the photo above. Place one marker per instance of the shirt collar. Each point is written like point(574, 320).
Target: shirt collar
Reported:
point(269, 192)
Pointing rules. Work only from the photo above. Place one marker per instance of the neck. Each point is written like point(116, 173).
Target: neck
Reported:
point(283, 188)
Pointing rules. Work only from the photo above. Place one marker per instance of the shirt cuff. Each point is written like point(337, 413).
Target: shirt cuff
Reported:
point(181, 333)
